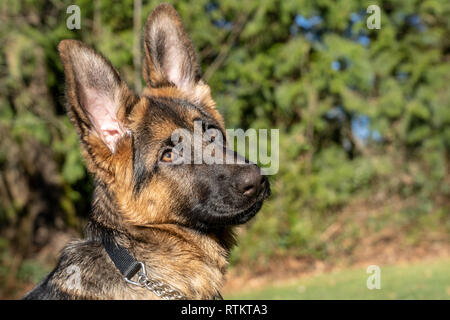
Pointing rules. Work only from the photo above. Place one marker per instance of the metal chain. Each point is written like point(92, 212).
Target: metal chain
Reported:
point(162, 290)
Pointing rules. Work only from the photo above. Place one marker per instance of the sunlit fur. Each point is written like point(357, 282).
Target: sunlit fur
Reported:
point(176, 219)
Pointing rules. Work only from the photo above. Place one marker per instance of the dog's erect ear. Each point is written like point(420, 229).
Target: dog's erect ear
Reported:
point(170, 58)
point(98, 99)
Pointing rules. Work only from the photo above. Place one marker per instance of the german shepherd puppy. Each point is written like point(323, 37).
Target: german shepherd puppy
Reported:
point(175, 219)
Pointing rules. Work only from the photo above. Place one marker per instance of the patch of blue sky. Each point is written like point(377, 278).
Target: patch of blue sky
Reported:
point(361, 129)
point(336, 113)
point(360, 124)
point(364, 40)
point(401, 76)
point(416, 21)
point(307, 23)
point(211, 6)
point(223, 24)
point(355, 17)
point(336, 65)
point(220, 23)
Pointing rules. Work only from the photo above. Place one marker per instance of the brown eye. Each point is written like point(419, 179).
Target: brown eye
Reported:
point(167, 156)
point(212, 133)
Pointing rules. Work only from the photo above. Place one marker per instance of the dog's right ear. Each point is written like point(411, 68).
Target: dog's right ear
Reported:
point(98, 101)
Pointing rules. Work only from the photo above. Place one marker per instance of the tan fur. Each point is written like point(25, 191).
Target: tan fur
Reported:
point(192, 262)
point(201, 95)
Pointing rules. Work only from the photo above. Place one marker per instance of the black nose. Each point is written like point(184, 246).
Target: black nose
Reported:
point(250, 182)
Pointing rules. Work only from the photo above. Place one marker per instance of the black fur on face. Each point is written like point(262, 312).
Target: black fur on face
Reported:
point(219, 200)
point(210, 196)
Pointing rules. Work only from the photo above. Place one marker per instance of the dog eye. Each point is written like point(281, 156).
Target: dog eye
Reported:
point(212, 133)
point(167, 156)
point(206, 126)
point(211, 126)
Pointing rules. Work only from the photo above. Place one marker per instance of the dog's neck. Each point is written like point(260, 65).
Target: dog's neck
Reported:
point(190, 261)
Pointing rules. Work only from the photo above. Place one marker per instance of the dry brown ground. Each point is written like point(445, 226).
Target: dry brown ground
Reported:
point(388, 246)
point(286, 269)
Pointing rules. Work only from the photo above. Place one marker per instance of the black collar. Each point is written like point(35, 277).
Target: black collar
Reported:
point(123, 260)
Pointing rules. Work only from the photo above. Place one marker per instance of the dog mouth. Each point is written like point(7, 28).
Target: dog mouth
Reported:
point(222, 219)
point(246, 215)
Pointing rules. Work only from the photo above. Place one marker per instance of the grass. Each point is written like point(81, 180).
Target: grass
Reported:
point(423, 280)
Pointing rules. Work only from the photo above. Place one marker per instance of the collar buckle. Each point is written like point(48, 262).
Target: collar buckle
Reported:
point(142, 276)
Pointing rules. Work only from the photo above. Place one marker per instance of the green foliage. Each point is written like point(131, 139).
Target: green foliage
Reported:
point(31, 271)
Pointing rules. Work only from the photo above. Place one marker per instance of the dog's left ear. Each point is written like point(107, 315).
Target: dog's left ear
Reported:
point(170, 58)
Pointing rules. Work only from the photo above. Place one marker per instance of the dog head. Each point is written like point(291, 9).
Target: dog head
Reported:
point(128, 140)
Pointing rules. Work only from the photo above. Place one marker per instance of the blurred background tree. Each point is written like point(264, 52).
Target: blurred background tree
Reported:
point(364, 119)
